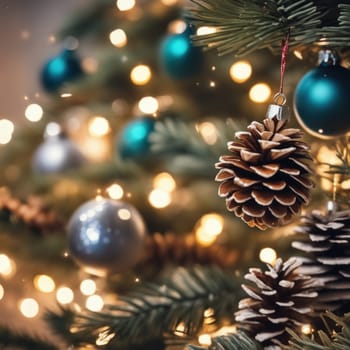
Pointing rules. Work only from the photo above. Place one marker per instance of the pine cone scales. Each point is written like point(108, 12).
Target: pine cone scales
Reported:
point(280, 299)
point(265, 180)
point(328, 256)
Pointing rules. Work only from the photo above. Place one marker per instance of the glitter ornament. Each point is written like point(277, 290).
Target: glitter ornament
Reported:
point(106, 236)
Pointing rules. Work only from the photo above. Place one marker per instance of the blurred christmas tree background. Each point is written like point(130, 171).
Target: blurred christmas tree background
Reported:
point(109, 208)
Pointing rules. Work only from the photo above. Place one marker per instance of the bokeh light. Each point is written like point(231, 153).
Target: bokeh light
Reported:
point(34, 112)
point(7, 266)
point(268, 255)
point(177, 26)
point(148, 105)
point(208, 132)
point(44, 283)
point(169, 2)
point(94, 303)
point(306, 329)
point(64, 295)
point(88, 287)
point(6, 130)
point(118, 38)
point(208, 228)
point(205, 30)
point(28, 307)
point(165, 182)
point(98, 126)
point(125, 5)
point(204, 339)
point(260, 93)
point(140, 75)
point(115, 191)
point(2, 292)
point(159, 198)
point(240, 71)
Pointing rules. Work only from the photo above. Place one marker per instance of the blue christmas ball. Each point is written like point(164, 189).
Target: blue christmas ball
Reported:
point(134, 142)
point(57, 154)
point(106, 236)
point(321, 101)
point(179, 58)
point(59, 70)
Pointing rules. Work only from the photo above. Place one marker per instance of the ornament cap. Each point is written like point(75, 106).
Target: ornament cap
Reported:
point(278, 108)
point(328, 58)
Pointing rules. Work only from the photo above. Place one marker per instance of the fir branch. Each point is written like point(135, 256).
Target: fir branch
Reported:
point(234, 341)
point(245, 26)
point(10, 339)
point(151, 311)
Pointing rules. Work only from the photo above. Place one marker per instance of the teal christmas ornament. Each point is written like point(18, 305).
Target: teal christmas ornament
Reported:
point(134, 142)
point(60, 69)
point(178, 58)
point(57, 153)
point(106, 236)
point(321, 99)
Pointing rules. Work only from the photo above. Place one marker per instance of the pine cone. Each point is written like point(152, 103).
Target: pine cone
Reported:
point(281, 299)
point(266, 178)
point(328, 257)
point(162, 249)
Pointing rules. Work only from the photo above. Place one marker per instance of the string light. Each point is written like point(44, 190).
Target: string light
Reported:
point(208, 132)
point(125, 5)
point(159, 198)
point(104, 337)
point(180, 330)
point(306, 329)
point(208, 228)
point(115, 191)
point(240, 71)
point(64, 295)
point(169, 2)
point(204, 339)
point(44, 283)
point(7, 266)
point(268, 255)
point(94, 303)
point(7, 129)
point(98, 126)
point(34, 112)
point(118, 38)
point(260, 93)
point(205, 30)
point(148, 105)
point(2, 292)
point(29, 307)
point(52, 129)
point(177, 27)
point(165, 182)
point(140, 75)
point(88, 287)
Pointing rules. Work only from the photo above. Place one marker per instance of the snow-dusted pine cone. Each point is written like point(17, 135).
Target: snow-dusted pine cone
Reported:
point(265, 179)
point(281, 299)
point(327, 247)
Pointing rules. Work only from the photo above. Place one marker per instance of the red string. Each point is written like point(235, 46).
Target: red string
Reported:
point(284, 60)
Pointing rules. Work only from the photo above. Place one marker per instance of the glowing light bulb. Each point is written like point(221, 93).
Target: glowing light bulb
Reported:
point(213, 223)
point(140, 75)
point(260, 93)
point(44, 283)
point(7, 266)
point(34, 112)
point(164, 182)
point(159, 198)
point(6, 131)
point(98, 126)
point(125, 5)
point(205, 30)
point(180, 330)
point(268, 255)
point(29, 307)
point(148, 105)
point(118, 38)
point(94, 303)
point(88, 287)
point(64, 295)
point(306, 329)
point(204, 339)
point(115, 191)
point(2, 291)
point(208, 132)
point(240, 71)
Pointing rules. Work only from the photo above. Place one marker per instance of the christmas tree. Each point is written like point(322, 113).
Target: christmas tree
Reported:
point(184, 181)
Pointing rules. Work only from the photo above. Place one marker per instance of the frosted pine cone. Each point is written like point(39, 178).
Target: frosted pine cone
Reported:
point(280, 300)
point(265, 180)
point(327, 246)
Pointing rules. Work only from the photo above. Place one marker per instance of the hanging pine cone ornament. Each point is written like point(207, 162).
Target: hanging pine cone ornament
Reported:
point(280, 300)
point(265, 179)
point(327, 247)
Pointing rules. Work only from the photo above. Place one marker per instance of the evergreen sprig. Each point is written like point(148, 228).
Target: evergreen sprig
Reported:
point(153, 310)
point(336, 340)
point(13, 339)
point(234, 341)
point(245, 26)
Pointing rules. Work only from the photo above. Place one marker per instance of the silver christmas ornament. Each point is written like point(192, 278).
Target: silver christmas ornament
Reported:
point(57, 153)
point(106, 236)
